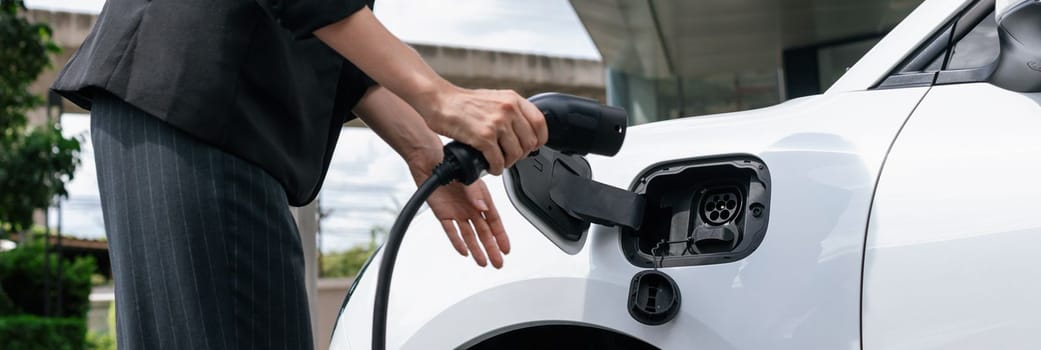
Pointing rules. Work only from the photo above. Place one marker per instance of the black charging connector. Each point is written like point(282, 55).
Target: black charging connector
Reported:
point(462, 163)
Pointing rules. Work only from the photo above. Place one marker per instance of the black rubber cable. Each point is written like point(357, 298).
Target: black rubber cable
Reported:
point(441, 176)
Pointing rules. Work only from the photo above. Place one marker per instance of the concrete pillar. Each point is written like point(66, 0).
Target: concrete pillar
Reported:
point(307, 223)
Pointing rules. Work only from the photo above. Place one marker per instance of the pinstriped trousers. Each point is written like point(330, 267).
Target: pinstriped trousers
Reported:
point(205, 254)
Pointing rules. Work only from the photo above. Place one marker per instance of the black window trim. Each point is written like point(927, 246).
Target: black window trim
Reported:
point(911, 72)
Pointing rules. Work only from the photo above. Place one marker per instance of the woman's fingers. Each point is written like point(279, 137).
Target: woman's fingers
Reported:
point(525, 130)
point(471, 243)
point(491, 216)
point(536, 121)
point(490, 247)
point(453, 236)
point(499, 123)
point(492, 151)
point(511, 147)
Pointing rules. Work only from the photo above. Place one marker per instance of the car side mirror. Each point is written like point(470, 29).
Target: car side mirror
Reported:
point(1018, 67)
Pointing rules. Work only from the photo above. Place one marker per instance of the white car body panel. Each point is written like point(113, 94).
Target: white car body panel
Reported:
point(824, 154)
point(952, 253)
point(903, 173)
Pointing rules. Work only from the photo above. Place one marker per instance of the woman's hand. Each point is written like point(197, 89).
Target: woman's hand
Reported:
point(467, 214)
point(501, 124)
point(469, 218)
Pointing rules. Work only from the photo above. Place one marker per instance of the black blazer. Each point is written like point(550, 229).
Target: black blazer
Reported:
point(245, 76)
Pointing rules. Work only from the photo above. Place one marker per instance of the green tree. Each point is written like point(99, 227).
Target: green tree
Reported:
point(347, 263)
point(22, 278)
point(22, 321)
point(37, 161)
point(105, 340)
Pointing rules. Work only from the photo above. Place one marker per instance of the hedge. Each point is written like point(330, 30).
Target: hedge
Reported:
point(22, 278)
point(34, 332)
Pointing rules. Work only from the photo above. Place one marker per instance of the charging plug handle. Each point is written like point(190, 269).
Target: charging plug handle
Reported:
point(579, 125)
point(467, 163)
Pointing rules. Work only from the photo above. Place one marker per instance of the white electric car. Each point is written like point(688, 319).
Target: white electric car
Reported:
point(901, 209)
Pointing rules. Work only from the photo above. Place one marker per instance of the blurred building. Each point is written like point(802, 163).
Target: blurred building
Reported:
point(673, 58)
point(528, 74)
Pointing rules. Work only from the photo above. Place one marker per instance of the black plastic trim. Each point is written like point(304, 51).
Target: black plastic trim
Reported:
point(756, 191)
point(911, 71)
point(964, 76)
point(906, 80)
point(528, 185)
point(654, 298)
point(968, 21)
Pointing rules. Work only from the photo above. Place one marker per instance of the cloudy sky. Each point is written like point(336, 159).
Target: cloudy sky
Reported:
point(534, 26)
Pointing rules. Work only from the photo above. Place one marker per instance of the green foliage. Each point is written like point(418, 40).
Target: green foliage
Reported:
point(346, 263)
point(35, 162)
point(32, 332)
point(7, 306)
point(105, 340)
point(100, 341)
point(22, 279)
point(24, 56)
point(97, 279)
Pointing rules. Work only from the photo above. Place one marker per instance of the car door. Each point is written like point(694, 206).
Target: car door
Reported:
point(951, 256)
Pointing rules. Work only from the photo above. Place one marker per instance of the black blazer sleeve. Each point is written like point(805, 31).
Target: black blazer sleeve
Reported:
point(351, 87)
point(302, 17)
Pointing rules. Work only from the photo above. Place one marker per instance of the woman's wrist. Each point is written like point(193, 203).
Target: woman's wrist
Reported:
point(428, 96)
point(421, 161)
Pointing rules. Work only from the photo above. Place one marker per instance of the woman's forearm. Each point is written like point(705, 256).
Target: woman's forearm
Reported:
point(501, 124)
point(363, 40)
point(402, 128)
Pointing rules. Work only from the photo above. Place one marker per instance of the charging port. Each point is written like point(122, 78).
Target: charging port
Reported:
point(701, 211)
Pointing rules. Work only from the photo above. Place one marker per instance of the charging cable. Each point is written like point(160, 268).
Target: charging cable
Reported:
point(461, 163)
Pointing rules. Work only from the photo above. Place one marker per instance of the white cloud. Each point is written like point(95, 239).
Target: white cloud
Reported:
point(367, 180)
point(548, 27)
point(537, 26)
point(83, 6)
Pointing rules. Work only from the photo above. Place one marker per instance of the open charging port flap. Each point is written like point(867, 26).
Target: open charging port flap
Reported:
point(699, 211)
point(556, 193)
